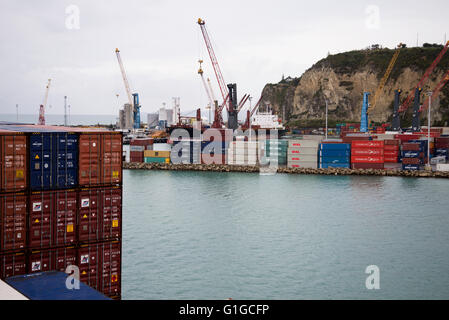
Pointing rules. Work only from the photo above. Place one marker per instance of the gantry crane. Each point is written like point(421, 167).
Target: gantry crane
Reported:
point(133, 99)
point(42, 106)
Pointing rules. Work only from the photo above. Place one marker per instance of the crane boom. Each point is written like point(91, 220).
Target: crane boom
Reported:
point(209, 96)
point(125, 79)
point(385, 77)
point(436, 91)
point(426, 76)
point(43, 105)
point(221, 83)
point(211, 90)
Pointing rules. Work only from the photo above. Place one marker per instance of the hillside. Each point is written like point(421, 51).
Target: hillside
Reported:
point(342, 79)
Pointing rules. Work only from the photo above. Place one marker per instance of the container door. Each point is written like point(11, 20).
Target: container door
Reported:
point(41, 219)
point(65, 207)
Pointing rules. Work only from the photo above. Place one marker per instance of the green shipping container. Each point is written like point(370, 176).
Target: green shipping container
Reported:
point(155, 160)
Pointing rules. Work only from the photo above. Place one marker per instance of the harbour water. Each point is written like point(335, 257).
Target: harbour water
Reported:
point(209, 235)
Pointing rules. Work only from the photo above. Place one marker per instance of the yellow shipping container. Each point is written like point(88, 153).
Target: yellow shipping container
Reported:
point(158, 154)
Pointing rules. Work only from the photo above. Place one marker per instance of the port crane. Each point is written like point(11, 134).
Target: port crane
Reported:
point(42, 106)
point(436, 91)
point(249, 114)
point(385, 77)
point(416, 93)
point(133, 99)
point(367, 107)
point(229, 98)
point(207, 88)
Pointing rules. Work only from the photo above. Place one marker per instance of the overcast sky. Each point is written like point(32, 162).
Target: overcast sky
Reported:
point(160, 43)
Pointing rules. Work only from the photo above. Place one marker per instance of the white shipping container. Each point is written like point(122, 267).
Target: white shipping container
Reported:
point(303, 143)
point(302, 164)
point(303, 158)
point(161, 147)
point(443, 167)
point(303, 150)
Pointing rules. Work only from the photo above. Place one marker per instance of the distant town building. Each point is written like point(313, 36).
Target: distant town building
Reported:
point(153, 120)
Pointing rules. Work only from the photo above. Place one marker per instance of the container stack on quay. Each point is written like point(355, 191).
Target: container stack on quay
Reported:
point(214, 152)
point(61, 203)
point(391, 151)
point(367, 154)
point(151, 156)
point(137, 148)
point(334, 154)
point(302, 153)
point(414, 154)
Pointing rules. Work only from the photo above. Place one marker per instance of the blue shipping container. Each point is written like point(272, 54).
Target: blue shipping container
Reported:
point(335, 160)
point(334, 165)
point(412, 167)
point(52, 286)
point(53, 160)
point(335, 146)
point(335, 153)
point(410, 154)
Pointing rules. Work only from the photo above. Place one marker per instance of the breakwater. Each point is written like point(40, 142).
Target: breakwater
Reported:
point(258, 169)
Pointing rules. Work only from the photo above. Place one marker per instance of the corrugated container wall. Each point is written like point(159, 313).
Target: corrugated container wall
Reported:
point(13, 161)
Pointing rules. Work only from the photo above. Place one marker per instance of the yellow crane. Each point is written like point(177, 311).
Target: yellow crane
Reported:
point(385, 77)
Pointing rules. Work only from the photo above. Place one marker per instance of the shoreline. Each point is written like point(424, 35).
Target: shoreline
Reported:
point(256, 169)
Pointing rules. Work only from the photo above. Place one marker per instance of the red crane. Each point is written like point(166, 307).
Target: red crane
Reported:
point(218, 122)
point(436, 91)
point(249, 114)
point(43, 105)
point(426, 76)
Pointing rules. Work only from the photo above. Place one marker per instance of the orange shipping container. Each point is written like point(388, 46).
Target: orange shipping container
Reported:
point(100, 158)
point(13, 164)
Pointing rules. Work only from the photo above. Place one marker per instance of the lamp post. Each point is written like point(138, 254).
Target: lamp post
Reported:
point(428, 167)
point(326, 118)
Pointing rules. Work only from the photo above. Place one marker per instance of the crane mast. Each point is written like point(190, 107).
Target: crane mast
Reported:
point(426, 76)
point(209, 96)
point(44, 103)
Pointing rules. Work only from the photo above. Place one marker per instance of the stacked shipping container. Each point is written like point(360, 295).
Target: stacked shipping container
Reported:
point(137, 148)
point(413, 155)
point(302, 154)
point(367, 154)
point(276, 150)
point(243, 153)
point(61, 195)
point(335, 155)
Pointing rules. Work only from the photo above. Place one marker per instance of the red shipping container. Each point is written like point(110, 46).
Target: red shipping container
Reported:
point(411, 146)
point(367, 165)
point(65, 213)
point(89, 159)
point(12, 264)
point(367, 159)
point(41, 219)
point(89, 215)
point(53, 259)
point(13, 216)
point(100, 158)
point(390, 154)
point(367, 144)
point(111, 219)
point(392, 142)
point(389, 147)
point(411, 161)
point(389, 159)
point(136, 156)
point(111, 269)
point(407, 137)
point(367, 152)
point(141, 142)
point(13, 161)
point(88, 257)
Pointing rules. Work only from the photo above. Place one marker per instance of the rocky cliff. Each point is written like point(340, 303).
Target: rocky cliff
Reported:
point(341, 79)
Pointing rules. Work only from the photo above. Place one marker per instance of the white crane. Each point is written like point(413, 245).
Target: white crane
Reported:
point(42, 106)
point(125, 79)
